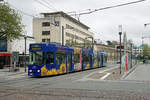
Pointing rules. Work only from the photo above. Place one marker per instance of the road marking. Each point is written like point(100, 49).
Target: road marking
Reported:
point(107, 69)
point(102, 78)
point(85, 78)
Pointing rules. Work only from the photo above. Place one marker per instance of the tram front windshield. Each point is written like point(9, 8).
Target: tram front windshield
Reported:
point(37, 58)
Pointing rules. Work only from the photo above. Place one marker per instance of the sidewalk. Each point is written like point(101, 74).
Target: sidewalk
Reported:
point(4, 73)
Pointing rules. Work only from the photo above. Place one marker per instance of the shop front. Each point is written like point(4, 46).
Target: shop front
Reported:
point(5, 59)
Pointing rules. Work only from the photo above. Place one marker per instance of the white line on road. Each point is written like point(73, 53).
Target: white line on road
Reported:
point(107, 70)
point(85, 78)
point(102, 78)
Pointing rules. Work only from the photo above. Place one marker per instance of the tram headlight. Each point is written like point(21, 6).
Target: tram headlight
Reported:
point(30, 70)
point(38, 70)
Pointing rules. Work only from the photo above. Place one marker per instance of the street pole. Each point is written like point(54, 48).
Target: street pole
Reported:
point(120, 33)
point(131, 55)
point(62, 35)
point(25, 38)
point(92, 43)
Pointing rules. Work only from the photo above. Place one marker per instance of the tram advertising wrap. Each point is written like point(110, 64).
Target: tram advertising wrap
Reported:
point(53, 59)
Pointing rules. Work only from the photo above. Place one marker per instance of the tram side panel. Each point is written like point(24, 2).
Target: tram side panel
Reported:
point(86, 59)
point(103, 59)
point(77, 59)
point(95, 60)
point(50, 60)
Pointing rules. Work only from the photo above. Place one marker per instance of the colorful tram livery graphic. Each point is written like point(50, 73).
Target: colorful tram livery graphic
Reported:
point(53, 59)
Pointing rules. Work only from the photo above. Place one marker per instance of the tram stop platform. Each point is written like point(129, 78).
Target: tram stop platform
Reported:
point(110, 74)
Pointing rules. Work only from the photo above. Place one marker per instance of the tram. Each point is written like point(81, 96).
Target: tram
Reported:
point(53, 59)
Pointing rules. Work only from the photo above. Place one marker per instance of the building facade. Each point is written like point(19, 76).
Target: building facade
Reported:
point(8, 47)
point(58, 27)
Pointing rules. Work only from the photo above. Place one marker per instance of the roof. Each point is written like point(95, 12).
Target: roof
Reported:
point(67, 16)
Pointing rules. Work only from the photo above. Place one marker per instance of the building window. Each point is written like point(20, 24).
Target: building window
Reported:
point(45, 24)
point(46, 40)
point(3, 45)
point(43, 40)
point(45, 32)
point(56, 23)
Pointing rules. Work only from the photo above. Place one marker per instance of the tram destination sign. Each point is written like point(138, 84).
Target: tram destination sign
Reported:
point(35, 47)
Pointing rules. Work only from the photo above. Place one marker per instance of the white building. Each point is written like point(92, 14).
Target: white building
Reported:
point(19, 45)
point(58, 27)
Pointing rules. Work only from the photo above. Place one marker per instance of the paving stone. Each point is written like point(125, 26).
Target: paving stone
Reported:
point(68, 94)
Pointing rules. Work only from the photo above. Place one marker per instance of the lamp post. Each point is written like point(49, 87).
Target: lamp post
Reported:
point(25, 41)
point(25, 38)
point(131, 55)
point(120, 33)
point(62, 35)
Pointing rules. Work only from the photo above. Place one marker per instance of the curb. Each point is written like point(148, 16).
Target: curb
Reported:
point(128, 72)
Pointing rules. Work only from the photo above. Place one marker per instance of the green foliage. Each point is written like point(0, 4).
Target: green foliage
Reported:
point(146, 51)
point(111, 43)
point(10, 23)
point(70, 43)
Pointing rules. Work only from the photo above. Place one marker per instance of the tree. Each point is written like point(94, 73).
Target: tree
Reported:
point(111, 43)
point(10, 23)
point(146, 51)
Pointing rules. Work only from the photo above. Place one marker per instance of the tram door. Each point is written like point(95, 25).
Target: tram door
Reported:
point(69, 63)
point(50, 60)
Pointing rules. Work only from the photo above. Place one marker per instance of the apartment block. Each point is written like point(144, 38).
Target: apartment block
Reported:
point(59, 27)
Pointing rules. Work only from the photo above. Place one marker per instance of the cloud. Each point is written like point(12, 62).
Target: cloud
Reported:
point(132, 17)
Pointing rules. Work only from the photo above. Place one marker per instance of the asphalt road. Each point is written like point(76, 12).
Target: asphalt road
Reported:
point(79, 81)
point(136, 81)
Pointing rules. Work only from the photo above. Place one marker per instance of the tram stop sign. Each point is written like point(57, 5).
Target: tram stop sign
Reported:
point(15, 56)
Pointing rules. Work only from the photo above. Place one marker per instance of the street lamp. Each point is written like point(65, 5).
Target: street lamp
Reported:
point(25, 38)
point(131, 54)
point(120, 33)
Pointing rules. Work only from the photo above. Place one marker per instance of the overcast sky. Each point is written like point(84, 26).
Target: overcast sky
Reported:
point(103, 23)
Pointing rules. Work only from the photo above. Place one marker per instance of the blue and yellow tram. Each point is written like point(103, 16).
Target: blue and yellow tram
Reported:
point(53, 59)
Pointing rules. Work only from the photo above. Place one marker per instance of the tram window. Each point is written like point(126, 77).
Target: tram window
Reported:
point(86, 58)
point(60, 58)
point(37, 58)
point(76, 58)
point(49, 58)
